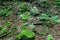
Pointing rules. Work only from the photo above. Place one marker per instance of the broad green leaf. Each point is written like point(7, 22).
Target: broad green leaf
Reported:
point(57, 21)
point(43, 18)
point(54, 17)
point(28, 33)
point(19, 35)
point(44, 15)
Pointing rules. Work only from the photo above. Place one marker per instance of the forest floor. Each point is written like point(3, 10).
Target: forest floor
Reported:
point(49, 8)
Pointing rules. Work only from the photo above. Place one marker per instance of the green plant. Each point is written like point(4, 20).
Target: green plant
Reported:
point(49, 37)
point(55, 19)
point(43, 17)
point(8, 33)
point(27, 33)
point(24, 6)
point(23, 26)
point(34, 11)
point(25, 16)
point(4, 27)
point(4, 12)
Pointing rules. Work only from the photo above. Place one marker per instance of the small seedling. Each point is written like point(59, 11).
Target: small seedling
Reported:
point(49, 37)
point(25, 16)
point(34, 11)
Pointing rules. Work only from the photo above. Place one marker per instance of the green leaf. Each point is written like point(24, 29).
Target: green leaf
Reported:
point(25, 16)
point(19, 35)
point(43, 17)
point(54, 17)
point(4, 28)
point(57, 21)
point(58, 3)
point(24, 6)
point(4, 12)
point(49, 37)
point(23, 26)
point(8, 23)
point(28, 33)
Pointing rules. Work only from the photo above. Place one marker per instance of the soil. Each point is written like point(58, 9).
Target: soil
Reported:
point(50, 8)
